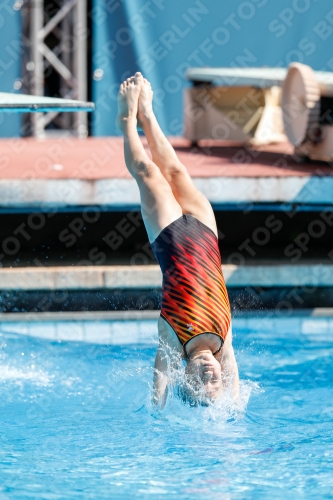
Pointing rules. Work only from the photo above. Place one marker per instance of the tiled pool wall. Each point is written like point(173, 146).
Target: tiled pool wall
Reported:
point(122, 332)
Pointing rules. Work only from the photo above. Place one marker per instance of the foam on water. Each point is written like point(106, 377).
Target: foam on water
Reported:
point(77, 423)
point(225, 410)
point(13, 374)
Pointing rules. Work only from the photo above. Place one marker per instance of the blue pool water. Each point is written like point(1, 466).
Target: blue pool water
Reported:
point(76, 421)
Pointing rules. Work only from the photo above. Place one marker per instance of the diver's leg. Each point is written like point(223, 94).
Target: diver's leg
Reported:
point(158, 205)
point(164, 156)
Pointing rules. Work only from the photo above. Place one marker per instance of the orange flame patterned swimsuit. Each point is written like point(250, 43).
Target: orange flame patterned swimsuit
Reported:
point(194, 295)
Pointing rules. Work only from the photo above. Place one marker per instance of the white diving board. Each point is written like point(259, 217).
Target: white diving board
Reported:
point(20, 103)
point(242, 77)
point(253, 77)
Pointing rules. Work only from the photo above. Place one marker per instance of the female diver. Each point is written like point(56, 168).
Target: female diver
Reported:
point(195, 320)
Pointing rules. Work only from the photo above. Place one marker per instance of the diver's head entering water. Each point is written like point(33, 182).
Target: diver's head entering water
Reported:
point(203, 384)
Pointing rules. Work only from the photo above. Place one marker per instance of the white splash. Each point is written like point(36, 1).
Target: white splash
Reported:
point(227, 408)
point(11, 373)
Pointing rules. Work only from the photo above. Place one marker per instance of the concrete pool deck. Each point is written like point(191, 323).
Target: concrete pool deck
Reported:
point(32, 317)
point(69, 172)
point(145, 277)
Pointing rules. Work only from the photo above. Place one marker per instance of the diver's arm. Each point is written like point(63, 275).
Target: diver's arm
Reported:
point(233, 371)
point(229, 365)
point(168, 359)
point(160, 378)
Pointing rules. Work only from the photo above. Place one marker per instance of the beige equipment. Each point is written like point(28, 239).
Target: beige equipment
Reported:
point(307, 104)
point(234, 104)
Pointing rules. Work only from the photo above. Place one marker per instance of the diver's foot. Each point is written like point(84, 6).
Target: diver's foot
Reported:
point(128, 98)
point(145, 102)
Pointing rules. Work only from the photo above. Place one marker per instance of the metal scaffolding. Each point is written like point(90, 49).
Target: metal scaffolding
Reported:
point(55, 50)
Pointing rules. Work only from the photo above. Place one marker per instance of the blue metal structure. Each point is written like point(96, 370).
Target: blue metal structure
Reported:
point(164, 38)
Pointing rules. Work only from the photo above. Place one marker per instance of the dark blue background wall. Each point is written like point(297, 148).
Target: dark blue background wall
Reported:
point(10, 62)
point(162, 38)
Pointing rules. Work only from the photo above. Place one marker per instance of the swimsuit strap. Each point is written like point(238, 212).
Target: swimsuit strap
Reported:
point(214, 353)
